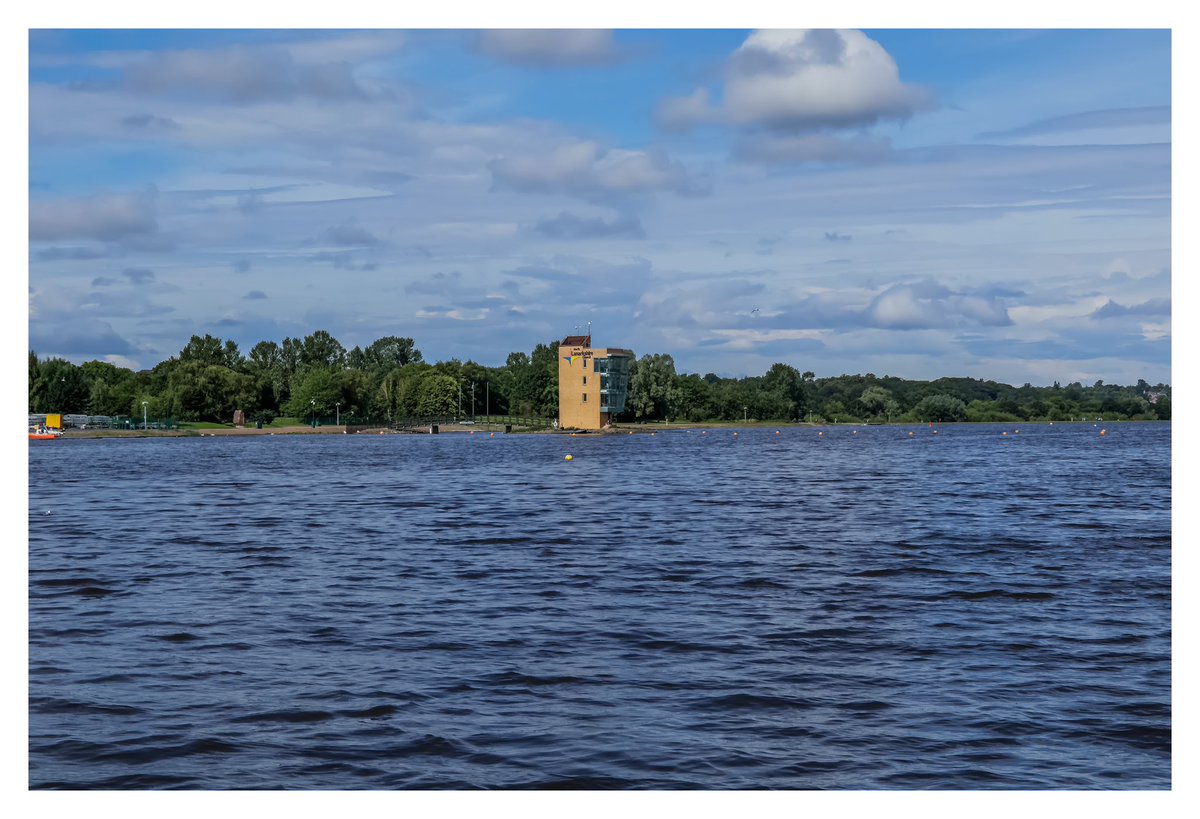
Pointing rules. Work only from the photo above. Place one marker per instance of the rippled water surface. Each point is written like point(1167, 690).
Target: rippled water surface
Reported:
point(845, 610)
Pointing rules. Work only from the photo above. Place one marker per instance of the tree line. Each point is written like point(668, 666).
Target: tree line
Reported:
point(317, 378)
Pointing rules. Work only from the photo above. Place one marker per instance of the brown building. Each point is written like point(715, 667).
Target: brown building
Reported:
point(592, 383)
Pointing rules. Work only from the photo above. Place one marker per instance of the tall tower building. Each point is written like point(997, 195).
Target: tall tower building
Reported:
point(592, 383)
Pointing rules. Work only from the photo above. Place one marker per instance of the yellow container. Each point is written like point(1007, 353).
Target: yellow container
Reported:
point(54, 421)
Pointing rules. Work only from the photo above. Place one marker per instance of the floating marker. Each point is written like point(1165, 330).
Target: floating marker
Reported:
point(1016, 432)
point(472, 432)
point(776, 432)
point(1104, 432)
point(567, 458)
point(855, 432)
point(1004, 433)
point(910, 434)
point(491, 435)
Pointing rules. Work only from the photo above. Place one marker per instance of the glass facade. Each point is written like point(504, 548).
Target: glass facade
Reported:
point(614, 382)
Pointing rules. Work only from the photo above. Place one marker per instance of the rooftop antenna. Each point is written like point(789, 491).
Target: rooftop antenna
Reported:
point(589, 335)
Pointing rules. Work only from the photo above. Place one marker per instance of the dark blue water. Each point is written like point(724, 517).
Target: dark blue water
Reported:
point(854, 611)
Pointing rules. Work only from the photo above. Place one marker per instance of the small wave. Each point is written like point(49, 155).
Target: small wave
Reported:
point(177, 637)
point(286, 716)
point(61, 706)
point(750, 701)
point(994, 594)
point(375, 712)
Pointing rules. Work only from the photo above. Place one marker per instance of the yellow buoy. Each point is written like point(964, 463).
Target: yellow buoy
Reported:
point(567, 458)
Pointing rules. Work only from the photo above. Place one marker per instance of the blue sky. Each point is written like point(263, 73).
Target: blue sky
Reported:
point(985, 203)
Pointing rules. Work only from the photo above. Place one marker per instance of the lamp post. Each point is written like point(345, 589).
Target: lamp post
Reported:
point(313, 401)
point(338, 417)
point(472, 400)
point(145, 426)
point(745, 414)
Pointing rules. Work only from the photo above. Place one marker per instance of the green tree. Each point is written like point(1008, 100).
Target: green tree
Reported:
point(437, 395)
point(940, 408)
point(211, 351)
point(385, 354)
point(874, 401)
point(652, 386)
point(62, 387)
point(789, 386)
point(320, 349)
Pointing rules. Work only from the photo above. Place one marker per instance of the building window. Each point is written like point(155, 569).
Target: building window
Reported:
point(585, 381)
point(585, 398)
point(585, 361)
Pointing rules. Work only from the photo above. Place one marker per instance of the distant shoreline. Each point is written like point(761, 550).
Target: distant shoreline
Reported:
point(458, 429)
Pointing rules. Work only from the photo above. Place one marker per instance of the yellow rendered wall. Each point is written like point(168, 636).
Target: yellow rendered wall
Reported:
point(574, 364)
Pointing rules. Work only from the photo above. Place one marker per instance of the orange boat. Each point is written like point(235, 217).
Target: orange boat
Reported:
point(44, 433)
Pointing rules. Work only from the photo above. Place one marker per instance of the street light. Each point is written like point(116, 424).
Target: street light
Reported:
point(313, 401)
point(472, 400)
point(745, 414)
point(144, 424)
point(338, 417)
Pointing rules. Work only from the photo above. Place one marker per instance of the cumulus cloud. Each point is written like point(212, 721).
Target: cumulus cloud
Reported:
point(816, 78)
point(104, 217)
point(550, 48)
point(569, 226)
point(929, 305)
point(786, 90)
point(585, 169)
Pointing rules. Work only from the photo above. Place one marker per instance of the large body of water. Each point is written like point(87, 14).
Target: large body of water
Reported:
point(848, 610)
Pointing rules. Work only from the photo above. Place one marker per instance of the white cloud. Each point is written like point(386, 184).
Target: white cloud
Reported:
point(816, 78)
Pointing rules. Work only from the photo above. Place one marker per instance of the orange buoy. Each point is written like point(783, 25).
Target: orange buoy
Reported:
point(910, 433)
point(491, 435)
point(1104, 432)
point(1005, 432)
